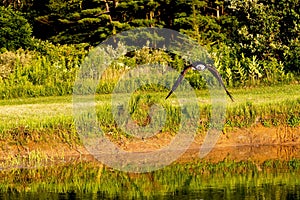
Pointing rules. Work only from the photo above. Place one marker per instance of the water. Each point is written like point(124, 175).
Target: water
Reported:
point(222, 178)
point(241, 190)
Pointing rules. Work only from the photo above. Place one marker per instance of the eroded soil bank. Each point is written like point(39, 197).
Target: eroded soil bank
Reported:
point(256, 143)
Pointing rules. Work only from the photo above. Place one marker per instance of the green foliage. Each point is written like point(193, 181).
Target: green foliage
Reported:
point(15, 31)
point(25, 73)
point(142, 57)
point(199, 25)
point(51, 70)
point(268, 30)
point(252, 42)
point(248, 71)
point(76, 22)
point(9, 60)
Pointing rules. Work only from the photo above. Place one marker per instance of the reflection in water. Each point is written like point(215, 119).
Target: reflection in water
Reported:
point(238, 173)
point(271, 186)
point(256, 153)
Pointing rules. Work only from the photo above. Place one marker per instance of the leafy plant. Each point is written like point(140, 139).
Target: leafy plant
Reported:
point(15, 30)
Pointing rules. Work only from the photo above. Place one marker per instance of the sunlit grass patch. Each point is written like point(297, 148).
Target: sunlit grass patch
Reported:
point(37, 118)
point(32, 159)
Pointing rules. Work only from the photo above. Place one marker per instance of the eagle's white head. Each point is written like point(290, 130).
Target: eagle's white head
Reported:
point(200, 66)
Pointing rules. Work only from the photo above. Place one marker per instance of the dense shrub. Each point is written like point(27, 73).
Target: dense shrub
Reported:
point(52, 71)
point(15, 31)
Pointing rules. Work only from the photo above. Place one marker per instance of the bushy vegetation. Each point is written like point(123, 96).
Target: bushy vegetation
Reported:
point(15, 30)
point(49, 71)
point(52, 70)
point(43, 43)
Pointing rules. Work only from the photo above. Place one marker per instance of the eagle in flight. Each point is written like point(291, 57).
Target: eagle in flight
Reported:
point(200, 66)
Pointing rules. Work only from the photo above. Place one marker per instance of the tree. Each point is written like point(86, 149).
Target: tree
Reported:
point(77, 21)
point(268, 30)
point(200, 21)
point(16, 4)
point(15, 31)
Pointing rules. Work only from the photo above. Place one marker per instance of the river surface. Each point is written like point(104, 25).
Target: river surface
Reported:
point(223, 175)
point(271, 186)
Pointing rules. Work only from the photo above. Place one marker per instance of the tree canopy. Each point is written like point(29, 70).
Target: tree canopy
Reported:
point(264, 29)
point(15, 31)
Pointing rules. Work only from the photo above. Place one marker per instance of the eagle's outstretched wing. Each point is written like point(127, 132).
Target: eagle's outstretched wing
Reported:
point(210, 68)
point(219, 78)
point(178, 81)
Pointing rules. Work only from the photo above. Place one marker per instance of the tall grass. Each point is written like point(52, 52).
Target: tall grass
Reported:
point(37, 120)
point(47, 118)
point(30, 74)
point(248, 71)
point(268, 114)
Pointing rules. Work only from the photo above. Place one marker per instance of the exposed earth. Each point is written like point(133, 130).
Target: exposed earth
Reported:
point(257, 143)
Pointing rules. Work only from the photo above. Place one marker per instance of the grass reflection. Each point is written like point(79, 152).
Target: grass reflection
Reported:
point(273, 179)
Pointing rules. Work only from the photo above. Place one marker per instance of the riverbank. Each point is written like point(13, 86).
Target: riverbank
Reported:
point(257, 143)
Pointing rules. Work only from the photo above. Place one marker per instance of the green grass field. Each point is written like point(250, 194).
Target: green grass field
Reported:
point(271, 106)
